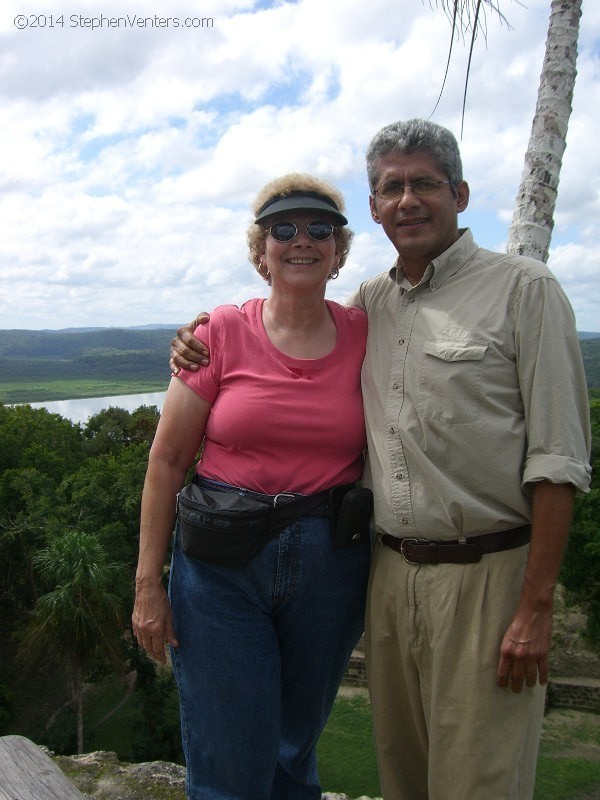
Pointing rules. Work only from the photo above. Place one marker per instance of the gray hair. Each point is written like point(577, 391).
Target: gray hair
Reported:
point(408, 136)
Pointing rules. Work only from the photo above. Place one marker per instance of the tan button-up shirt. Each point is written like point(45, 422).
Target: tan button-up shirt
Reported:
point(473, 387)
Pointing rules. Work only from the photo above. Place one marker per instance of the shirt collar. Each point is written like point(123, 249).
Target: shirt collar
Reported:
point(441, 268)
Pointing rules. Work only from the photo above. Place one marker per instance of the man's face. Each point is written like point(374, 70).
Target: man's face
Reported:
point(420, 227)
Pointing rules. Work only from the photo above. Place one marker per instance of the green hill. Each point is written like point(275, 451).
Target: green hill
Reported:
point(19, 344)
point(57, 365)
point(590, 349)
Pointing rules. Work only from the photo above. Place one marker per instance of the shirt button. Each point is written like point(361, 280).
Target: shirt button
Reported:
point(392, 430)
point(404, 521)
point(400, 341)
point(399, 476)
point(395, 386)
point(411, 299)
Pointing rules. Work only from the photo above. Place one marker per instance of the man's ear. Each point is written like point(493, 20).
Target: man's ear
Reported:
point(462, 196)
point(373, 207)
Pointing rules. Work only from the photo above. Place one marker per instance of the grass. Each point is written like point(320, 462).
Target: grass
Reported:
point(563, 772)
point(347, 756)
point(566, 779)
point(568, 766)
point(564, 729)
point(43, 391)
point(346, 751)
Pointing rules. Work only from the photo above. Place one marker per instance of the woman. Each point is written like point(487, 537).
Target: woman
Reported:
point(259, 651)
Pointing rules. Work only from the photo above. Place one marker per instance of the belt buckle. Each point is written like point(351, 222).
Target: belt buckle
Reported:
point(289, 495)
point(411, 540)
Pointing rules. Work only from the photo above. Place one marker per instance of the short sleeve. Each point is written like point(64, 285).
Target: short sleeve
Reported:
point(205, 382)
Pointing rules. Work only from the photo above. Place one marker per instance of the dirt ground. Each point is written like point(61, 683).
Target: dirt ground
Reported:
point(573, 734)
point(571, 656)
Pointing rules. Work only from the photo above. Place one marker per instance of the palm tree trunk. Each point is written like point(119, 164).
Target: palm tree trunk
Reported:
point(78, 697)
point(533, 220)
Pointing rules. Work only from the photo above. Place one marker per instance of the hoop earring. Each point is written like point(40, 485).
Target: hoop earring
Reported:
point(334, 273)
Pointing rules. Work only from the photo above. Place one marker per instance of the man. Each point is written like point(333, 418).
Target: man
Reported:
point(478, 435)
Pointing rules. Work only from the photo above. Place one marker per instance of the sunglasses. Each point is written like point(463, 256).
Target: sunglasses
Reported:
point(286, 231)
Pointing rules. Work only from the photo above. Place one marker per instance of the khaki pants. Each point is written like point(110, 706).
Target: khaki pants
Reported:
point(443, 729)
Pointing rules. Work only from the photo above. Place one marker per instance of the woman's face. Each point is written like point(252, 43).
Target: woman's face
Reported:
point(302, 262)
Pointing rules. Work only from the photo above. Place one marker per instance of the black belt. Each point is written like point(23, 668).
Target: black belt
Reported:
point(457, 551)
point(314, 505)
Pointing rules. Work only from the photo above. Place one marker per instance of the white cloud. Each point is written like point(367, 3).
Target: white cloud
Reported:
point(129, 156)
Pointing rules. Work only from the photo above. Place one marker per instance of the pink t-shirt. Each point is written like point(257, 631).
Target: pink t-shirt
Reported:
point(279, 423)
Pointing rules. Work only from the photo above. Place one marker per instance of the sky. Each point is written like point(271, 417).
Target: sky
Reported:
point(135, 135)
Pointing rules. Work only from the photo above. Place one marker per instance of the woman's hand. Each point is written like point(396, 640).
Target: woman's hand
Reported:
point(152, 621)
point(178, 436)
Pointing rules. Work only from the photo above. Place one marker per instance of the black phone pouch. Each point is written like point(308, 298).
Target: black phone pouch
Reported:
point(350, 513)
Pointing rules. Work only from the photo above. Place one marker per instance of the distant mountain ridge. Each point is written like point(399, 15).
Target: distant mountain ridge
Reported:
point(149, 326)
point(136, 353)
point(73, 343)
point(40, 365)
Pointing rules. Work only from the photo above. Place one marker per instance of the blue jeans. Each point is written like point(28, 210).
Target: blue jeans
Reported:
point(262, 651)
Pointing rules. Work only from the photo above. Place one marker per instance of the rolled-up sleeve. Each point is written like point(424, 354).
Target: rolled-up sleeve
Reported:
point(553, 387)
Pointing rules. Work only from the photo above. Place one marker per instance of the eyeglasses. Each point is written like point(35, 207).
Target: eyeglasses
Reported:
point(286, 231)
point(393, 190)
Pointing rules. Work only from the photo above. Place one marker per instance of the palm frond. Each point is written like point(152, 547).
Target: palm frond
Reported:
point(467, 17)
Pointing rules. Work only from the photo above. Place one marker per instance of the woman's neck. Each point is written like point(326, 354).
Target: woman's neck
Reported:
point(301, 327)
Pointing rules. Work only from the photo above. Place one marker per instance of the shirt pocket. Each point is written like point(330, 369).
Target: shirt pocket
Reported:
point(451, 375)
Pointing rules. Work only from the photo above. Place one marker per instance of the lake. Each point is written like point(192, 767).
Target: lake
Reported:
point(81, 410)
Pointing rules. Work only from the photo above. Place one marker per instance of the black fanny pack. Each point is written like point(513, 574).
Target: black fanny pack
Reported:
point(225, 527)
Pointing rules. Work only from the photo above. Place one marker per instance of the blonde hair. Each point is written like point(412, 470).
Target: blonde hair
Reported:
point(294, 181)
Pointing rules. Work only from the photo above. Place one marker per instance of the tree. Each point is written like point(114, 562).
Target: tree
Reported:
point(33, 437)
point(103, 498)
point(80, 618)
point(37, 451)
point(57, 477)
point(113, 427)
point(533, 219)
point(581, 567)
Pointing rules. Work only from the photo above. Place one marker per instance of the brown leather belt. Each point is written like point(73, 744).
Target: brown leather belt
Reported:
point(457, 551)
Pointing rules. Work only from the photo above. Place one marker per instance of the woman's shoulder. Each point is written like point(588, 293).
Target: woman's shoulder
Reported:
point(227, 311)
point(350, 315)
point(352, 324)
point(230, 315)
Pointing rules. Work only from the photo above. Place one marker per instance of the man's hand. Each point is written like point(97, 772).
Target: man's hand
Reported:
point(187, 352)
point(525, 650)
point(526, 644)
